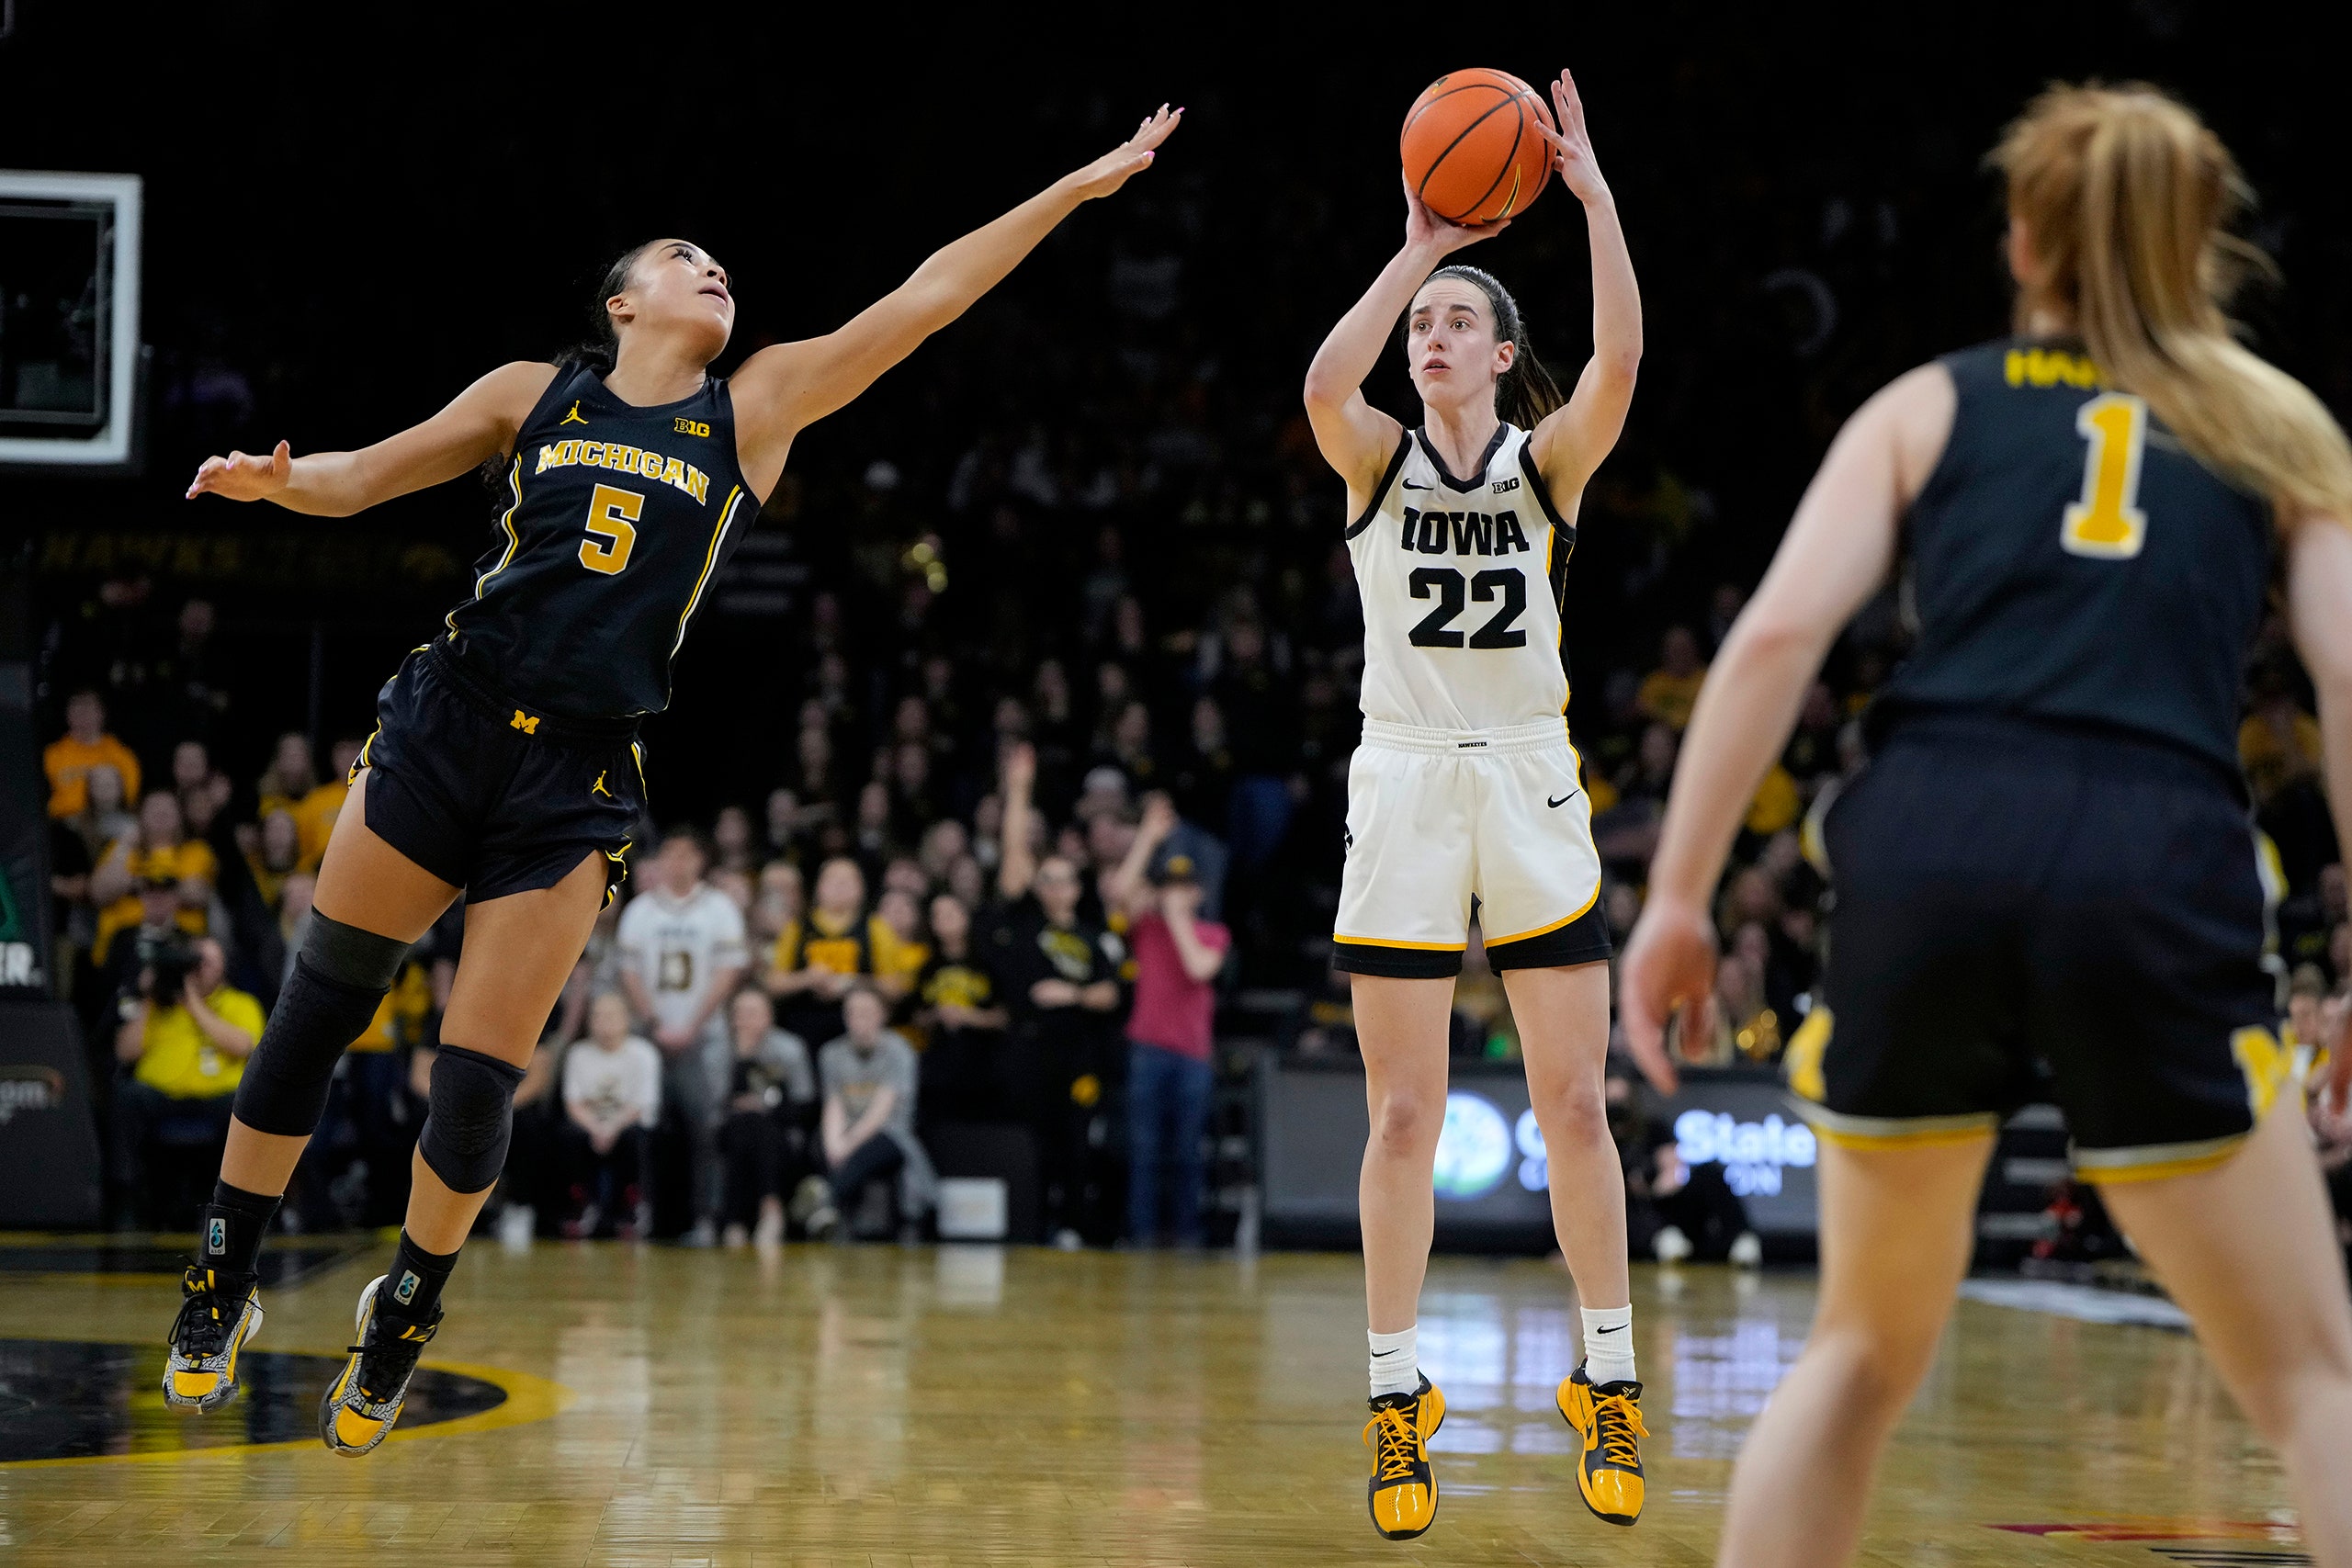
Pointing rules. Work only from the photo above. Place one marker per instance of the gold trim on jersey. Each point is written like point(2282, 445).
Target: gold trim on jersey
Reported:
point(710, 556)
point(514, 542)
point(1495, 942)
point(1414, 946)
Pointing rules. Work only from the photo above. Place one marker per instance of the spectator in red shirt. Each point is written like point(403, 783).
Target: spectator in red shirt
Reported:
point(1177, 956)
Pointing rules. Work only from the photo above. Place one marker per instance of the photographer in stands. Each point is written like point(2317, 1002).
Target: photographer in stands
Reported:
point(185, 1034)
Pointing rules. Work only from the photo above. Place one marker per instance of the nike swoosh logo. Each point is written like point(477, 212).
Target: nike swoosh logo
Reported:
point(1410, 485)
point(1377, 1355)
point(1619, 1329)
point(1555, 804)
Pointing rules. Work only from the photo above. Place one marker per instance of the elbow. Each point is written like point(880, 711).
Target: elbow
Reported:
point(1768, 636)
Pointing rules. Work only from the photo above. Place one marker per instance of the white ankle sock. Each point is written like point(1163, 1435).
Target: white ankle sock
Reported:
point(1608, 1344)
point(1396, 1361)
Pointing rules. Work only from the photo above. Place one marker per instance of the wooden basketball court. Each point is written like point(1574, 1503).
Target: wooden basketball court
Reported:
point(610, 1403)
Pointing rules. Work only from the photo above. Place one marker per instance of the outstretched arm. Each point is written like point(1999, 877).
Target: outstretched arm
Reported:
point(1571, 441)
point(2319, 607)
point(480, 424)
point(1354, 437)
point(782, 391)
point(1838, 548)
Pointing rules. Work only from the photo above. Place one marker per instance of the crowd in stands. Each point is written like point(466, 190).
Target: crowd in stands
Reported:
point(974, 906)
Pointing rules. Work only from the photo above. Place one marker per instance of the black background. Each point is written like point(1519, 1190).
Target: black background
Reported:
point(350, 214)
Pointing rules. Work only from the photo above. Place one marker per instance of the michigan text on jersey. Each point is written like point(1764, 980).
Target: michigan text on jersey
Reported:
point(628, 460)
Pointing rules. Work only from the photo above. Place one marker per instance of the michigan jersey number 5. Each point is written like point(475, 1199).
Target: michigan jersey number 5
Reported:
point(611, 529)
point(2108, 524)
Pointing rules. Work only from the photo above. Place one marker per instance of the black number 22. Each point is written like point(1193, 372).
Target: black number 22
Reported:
point(1432, 631)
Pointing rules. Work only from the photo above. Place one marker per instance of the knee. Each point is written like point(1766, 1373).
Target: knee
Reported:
point(469, 1117)
point(1573, 1114)
point(1406, 1123)
point(1877, 1368)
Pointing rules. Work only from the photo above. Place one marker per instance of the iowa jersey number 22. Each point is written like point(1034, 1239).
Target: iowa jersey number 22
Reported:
point(1435, 630)
point(612, 528)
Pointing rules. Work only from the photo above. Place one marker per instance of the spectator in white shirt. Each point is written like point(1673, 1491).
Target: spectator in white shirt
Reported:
point(682, 956)
point(612, 1102)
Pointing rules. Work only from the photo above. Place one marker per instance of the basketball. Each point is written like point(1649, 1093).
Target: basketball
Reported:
point(1472, 149)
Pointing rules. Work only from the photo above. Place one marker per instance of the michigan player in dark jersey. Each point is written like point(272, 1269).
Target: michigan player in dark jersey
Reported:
point(505, 767)
point(2049, 859)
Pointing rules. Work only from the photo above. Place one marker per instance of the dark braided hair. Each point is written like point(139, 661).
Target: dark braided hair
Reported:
point(1526, 392)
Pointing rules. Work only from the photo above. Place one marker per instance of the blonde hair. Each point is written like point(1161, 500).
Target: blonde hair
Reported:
point(2126, 195)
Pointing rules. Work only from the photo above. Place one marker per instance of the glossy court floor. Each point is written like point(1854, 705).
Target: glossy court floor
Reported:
point(611, 1403)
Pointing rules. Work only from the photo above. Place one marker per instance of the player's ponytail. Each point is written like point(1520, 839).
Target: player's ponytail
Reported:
point(2126, 197)
point(1526, 392)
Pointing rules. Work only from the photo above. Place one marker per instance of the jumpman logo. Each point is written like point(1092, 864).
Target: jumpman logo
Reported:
point(573, 417)
point(598, 787)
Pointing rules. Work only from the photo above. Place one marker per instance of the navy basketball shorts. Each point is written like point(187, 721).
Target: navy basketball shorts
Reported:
point(492, 797)
point(2027, 912)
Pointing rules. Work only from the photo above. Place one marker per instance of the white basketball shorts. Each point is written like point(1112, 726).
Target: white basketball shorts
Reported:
point(1447, 826)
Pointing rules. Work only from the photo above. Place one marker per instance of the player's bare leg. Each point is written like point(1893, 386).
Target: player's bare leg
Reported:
point(2248, 1250)
point(1401, 1028)
point(1563, 1016)
point(1897, 1230)
point(381, 899)
point(519, 952)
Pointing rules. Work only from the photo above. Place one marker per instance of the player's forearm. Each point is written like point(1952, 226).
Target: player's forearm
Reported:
point(1743, 718)
point(953, 277)
point(1616, 295)
point(327, 484)
point(1353, 347)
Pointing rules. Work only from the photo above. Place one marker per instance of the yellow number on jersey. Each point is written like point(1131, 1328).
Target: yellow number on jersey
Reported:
point(2108, 524)
point(611, 534)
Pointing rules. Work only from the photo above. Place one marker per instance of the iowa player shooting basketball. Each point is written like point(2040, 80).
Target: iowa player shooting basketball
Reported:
point(2048, 858)
point(506, 766)
point(1464, 799)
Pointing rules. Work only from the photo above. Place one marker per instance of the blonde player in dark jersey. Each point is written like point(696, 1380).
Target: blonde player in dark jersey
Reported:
point(2049, 855)
point(1463, 800)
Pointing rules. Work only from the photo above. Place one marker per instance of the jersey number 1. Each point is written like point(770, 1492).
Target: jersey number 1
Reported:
point(2106, 523)
point(611, 529)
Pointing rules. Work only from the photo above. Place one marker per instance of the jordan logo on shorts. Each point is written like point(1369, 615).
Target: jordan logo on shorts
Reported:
point(598, 787)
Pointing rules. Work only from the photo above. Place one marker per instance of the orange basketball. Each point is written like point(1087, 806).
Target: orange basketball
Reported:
point(1471, 147)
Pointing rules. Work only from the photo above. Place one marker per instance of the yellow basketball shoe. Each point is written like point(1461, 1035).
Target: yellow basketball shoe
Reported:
point(360, 1409)
point(1402, 1490)
point(1608, 1419)
point(216, 1320)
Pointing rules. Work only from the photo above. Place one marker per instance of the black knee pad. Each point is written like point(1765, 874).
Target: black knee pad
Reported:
point(339, 976)
point(469, 1117)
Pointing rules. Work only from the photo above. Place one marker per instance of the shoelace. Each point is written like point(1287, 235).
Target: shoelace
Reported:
point(1396, 1449)
point(387, 1364)
point(201, 1330)
point(1620, 1421)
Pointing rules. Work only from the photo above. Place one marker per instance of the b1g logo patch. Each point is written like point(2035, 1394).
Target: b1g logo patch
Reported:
point(216, 1236)
point(407, 1291)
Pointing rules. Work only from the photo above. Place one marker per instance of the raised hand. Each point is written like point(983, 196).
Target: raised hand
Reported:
point(1423, 226)
point(1669, 963)
point(1159, 818)
point(1128, 159)
point(240, 477)
point(1572, 143)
